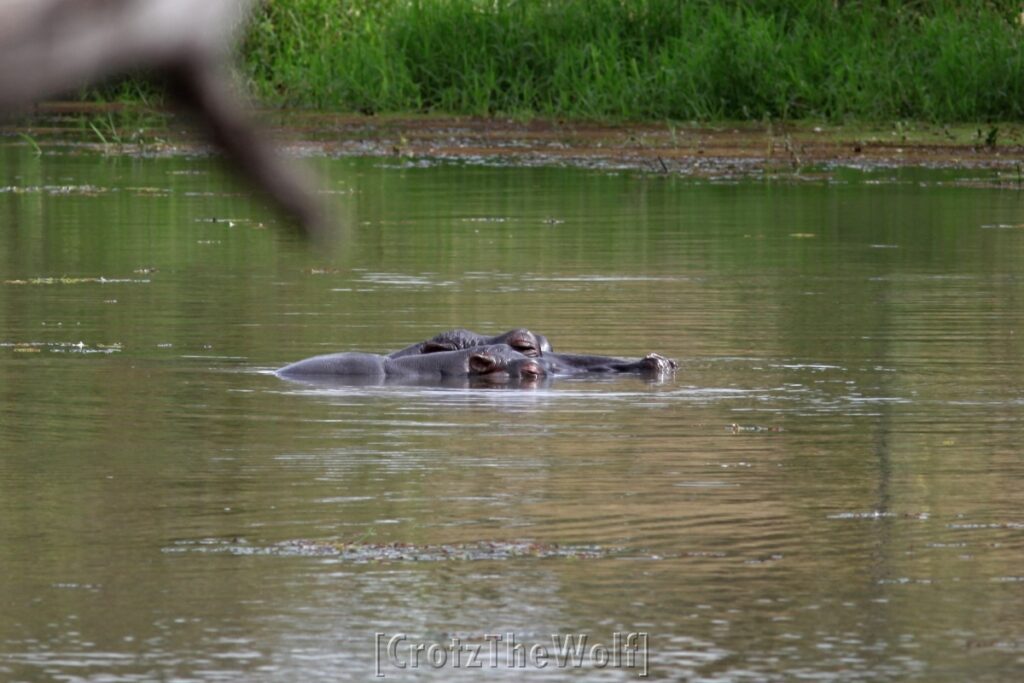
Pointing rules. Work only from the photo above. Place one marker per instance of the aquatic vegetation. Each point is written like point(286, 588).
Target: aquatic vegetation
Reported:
point(85, 190)
point(73, 281)
point(738, 428)
point(652, 59)
point(62, 347)
point(103, 138)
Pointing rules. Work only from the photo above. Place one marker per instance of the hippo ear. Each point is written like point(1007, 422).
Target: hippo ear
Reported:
point(437, 347)
point(481, 363)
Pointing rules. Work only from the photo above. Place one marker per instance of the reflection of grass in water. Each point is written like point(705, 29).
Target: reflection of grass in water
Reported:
point(658, 59)
point(32, 143)
point(365, 536)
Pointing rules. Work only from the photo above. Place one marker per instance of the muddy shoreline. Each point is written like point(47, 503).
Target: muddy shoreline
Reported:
point(713, 151)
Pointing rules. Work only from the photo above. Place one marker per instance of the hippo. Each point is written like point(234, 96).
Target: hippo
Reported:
point(522, 340)
point(537, 346)
point(495, 362)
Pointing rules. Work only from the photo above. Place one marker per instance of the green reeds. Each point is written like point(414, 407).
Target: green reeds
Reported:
point(867, 60)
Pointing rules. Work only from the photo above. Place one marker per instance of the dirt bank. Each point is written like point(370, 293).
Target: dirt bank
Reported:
point(687, 149)
point(690, 149)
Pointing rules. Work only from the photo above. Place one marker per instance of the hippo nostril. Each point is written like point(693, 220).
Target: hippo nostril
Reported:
point(481, 364)
point(531, 370)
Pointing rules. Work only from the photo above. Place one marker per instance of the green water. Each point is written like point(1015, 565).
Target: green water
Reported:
point(829, 489)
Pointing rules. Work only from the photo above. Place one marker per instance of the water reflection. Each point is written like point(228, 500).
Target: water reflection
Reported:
point(339, 383)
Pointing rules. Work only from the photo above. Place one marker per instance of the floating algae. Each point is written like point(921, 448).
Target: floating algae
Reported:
point(363, 553)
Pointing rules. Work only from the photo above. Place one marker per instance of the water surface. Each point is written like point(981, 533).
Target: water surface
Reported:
point(830, 488)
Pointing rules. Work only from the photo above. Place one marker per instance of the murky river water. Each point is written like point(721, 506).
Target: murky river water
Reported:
point(830, 489)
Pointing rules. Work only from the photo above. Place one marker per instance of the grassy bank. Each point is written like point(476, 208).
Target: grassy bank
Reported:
point(867, 60)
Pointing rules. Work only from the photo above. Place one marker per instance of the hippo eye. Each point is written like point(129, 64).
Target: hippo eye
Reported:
point(526, 348)
point(481, 364)
point(438, 347)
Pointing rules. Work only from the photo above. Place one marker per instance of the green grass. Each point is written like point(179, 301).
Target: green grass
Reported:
point(864, 60)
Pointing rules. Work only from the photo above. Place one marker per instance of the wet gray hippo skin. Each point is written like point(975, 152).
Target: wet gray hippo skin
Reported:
point(499, 362)
point(522, 340)
point(576, 363)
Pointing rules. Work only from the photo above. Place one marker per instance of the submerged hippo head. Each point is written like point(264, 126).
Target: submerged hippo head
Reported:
point(528, 369)
point(501, 362)
point(658, 364)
